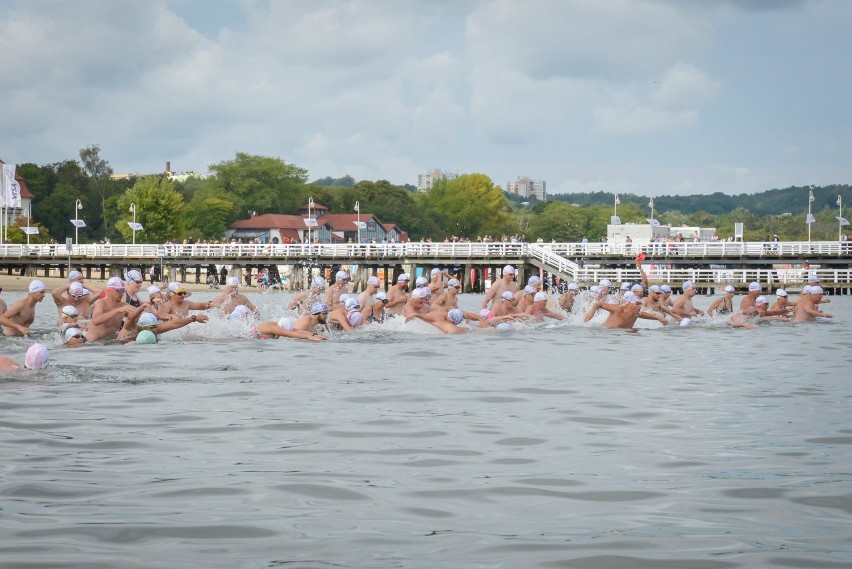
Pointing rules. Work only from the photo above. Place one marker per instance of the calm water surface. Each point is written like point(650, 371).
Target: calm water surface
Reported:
point(560, 446)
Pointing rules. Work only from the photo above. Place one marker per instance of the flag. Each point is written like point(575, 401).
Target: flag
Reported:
point(810, 219)
point(614, 220)
point(310, 222)
point(651, 203)
point(30, 230)
point(811, 196)
point(135, 226)
point(617, 201)
point(6, 188)
point(653, 221)
point(78, 223)
point(842, 220)
point(839, 201)
point(358, 206)
point(360, 224)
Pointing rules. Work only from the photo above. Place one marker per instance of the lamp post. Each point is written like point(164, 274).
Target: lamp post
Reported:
point(840, 218)
point(651, 205)
point(78, 205)
point(310, 209)
point(133, 211)
point(358, 211)
point(29, 220)
point(810, 217)
point(615, 206)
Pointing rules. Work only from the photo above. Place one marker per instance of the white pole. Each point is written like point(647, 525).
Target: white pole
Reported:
point(29, 220)
point(615, 206)
point(133, 209)
point(2, 204)
point(310, 207)
point(78, 205)
point(810, 199)
point(840, 215)
point(358, 209)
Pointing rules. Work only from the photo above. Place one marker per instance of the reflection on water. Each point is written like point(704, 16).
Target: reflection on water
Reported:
point(561, 446)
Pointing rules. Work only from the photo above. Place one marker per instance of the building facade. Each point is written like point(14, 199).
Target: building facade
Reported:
point(525, 187)
point(425, 181)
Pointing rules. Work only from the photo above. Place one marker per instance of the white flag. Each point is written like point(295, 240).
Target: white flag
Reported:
point(651, 203)
point(617, 201)
point(6, 189)
point(614, 220)
point(135, 226)
point(810, 219)
point(78, 223)
point(360, 224)
point(653, 221)
point(310, 222)
point(839, 201)
point(811, 196)
point(842, 220)
point(30, 230)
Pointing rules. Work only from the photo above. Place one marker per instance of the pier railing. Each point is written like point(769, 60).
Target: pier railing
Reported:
point(784, 250)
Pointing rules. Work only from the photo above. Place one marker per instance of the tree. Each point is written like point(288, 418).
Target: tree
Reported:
point(17, 235)
point(259, 183)
point(559, 221)
point(469, 206)
point(159, 209)
point(99, 172)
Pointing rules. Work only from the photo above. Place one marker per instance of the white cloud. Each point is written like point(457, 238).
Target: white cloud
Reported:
point(685, 87)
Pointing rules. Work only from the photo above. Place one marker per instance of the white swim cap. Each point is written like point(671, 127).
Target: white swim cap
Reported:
point(75, 275)
point(318, 308)
point(381, 295)
point(71, 332)
point(354, 318)
point(70, 311)
point(754, 287)
point(686, 322)
point(505, 327)
point(529, 289)
point(539, 296)
point(456, 315)
point(666, 288)
point(374, 280)
point(454, 283)
point(435, 272)
point(573, 286)
point(240, 311)
point(134, 276)
point(605, 283)
point(687, 285)
point(37, 357)
point(781, 292)
point(77, 289)
point(351, 304)
point(508, 270)
point(317, 282)
point(761, 300)
point(534, 280)
point(36, 286)
point(403, 277)
point(233, 281)
point(507, 295)
point(421, 281)
point(147, 320)
point(341, 276)
point(154, 289)
point(730, 288)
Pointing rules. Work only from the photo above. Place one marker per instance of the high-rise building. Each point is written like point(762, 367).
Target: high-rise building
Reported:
point(526, 187)
point(424, 181)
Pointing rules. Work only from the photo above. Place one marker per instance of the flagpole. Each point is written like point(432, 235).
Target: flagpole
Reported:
point(840, 218)
point(810, 200)
point(615, 206)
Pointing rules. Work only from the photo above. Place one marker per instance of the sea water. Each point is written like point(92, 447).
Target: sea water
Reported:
point(564, 445)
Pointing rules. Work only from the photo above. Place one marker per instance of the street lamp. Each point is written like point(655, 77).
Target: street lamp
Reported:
point(615, 206)
point(358, 223)
point(310, 209)
point(78, 205)
point(810, 219)
point(133, 210)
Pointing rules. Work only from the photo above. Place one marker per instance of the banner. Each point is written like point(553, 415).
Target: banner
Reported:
point(310, 222)
point(78, 223)
point(842, 220)
point(135, 226)
point(614, 220)
point(360, 224)
point(10, 193)
point(652, 221)
point(810, 219)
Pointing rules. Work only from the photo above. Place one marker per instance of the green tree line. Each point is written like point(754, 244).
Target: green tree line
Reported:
point(468, 207)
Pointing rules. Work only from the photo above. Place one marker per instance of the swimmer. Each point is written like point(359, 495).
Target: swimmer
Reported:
point(156, 300)
point(417, 303)
point(353, 312)
point(524, 298)
point(397, 297)
point(303, 301)
point(566, 300)
point(145, 320)
point(284, 328)
point(436, 283)
point(683, 306)
point(624, 315)
point(109, 312)
point(340, 286)
point(724, 304)
point(806, 309)
point(666, 296)
point(449, 299)
point(538, 309)
point(496, 290)
point(654, 302)
point(73, 338)
point(177, 305)
point(366, 296)
point(782, 301)
point(71, 319)
point(231, 297)
point(505, 305)
point(318, 316)
point(17, 319)
point(63, 296)
point(375, 311)
point(447, 321)
point(37, 357)
point(132, 285)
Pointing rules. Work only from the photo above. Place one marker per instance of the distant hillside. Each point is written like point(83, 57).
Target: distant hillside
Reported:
point(773, 202)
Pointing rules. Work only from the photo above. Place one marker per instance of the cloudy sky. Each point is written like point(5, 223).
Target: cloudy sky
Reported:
point(645, 96)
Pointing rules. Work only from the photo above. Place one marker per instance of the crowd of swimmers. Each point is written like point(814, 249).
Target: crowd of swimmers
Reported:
point(118, 313)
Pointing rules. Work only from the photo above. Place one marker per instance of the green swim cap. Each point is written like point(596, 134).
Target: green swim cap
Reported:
point(146, 337)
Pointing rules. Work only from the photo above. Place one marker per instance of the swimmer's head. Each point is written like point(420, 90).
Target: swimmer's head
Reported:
point(354, 318)
point(37, 357)
point(816, 290)
point(655, 289)
point(233, 281)
point(421, 282)
point(240, 311)
point(505, 327)
point(70, 312)
point(435, 272)
point(630, 298)
point(781, 293)
point(605, 283)
point(573, 287)
point(540, 296)
point(319, 308)
point(456, 315)
point(154, 289)
point(666, 289)
point(75, 276)
point(485, 314)
point(341, 276)
point(74, 336)
point(535, 281)
point(147, 320)
point(77, 290)
point(351, 304)
point(382, 296)
point(146, 337)
point(454, 283)
point(317, 282)
point(507, 295)
point(686, 322)
point(134, 275)
point(529, 290)
point(403, 278)
point(374, 281)
point(37, 286)
point(754, 287)
point(761, 300)
point(729, 289)
point(508, 270)
point(687, 285)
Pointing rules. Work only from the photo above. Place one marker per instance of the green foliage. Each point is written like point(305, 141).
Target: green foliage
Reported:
point(16, 235)
point(259, 183)
point(344, 182)
point(469, 206)
point(159, 208)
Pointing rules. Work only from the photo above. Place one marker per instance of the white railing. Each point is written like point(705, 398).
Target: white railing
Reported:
point(787, 250)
